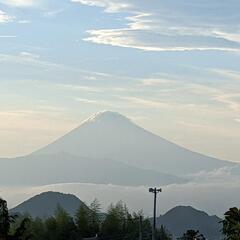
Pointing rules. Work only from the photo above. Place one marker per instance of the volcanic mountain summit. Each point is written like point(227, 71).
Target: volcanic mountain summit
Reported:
point(110, 135)
point(108, 148)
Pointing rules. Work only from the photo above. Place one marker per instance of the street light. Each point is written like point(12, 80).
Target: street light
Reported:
point(155, 191)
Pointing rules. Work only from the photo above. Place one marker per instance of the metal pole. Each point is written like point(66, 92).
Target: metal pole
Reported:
point(155, 191)
point(140, 228)
point(154, 213)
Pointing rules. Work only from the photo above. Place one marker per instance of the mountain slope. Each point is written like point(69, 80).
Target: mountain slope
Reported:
point(45, 204)
point(109, 135)
point(44, 169)
point(180, 219)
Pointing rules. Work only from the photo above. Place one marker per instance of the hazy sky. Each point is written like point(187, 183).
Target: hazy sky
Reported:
point(172, 66)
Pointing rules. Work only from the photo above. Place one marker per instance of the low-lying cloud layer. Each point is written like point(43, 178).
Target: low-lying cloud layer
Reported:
point(212, 192)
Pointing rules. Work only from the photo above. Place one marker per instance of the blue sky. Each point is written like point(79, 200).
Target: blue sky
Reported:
point(171, 66)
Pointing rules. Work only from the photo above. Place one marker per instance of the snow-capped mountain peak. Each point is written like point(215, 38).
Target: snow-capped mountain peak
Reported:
point(110, 135)
point(108, 116)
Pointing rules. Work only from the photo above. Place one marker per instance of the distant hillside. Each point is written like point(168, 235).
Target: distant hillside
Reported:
point(179, 219)
point(45, 204)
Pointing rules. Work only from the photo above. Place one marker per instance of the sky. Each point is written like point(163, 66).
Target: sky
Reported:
point(171, 66)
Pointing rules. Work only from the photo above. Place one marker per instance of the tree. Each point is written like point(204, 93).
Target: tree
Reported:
point(37, 228)
point(51, 228)
point(163, 234)
point(65, 225)
point(6, 220)
point(192, 235)
point(22, 232)
point(115, 221)
point(231, 224)
point(120, 224)
point(82, 221)
point(94, 217)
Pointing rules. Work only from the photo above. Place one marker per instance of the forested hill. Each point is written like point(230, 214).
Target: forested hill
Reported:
point(45, 204)
point(179, 219)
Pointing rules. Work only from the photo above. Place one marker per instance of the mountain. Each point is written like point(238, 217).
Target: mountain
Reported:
point(109, 135)
point(107, 148)
point(43, 169)
point(45, 204)
point(182, 218)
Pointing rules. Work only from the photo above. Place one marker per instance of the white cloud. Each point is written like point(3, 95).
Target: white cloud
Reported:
point(20, 3)
point(4, 18)
point(110, 6)
point(153, 41)
point(171, 25)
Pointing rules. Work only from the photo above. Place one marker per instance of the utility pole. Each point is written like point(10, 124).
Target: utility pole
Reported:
point(140, 227)
point(155, 191)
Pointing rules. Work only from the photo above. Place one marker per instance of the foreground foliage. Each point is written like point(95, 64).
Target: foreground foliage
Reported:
point(6, 220)
point(192, 235)
point(89, 223)
point(231, 224)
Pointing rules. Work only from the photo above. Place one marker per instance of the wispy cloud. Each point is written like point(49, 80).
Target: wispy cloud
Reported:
point(53, 13)
point(110, 6)
point(157, 82)
point(147, 41)
point(231, 100)
point(143, 102)
point(96, 102)
point(4, 18)
point(77, 87)
point(24, 21)
point(8, 36)
point(170, 26)
point(28, 55)
point(235, 75)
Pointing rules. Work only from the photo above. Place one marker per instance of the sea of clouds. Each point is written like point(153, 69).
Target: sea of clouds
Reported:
point(213, 192)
